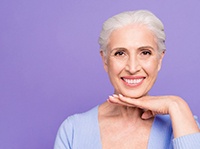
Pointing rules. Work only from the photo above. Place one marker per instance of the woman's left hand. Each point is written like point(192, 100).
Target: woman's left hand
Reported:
point(183, 122)
point(152, 105)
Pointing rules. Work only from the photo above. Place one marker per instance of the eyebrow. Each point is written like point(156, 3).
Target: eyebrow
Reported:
point(146, 47)
point(119, 48)
point(140, 48)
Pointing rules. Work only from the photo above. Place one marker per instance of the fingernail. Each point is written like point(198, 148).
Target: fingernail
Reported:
point(120, 95)
point(108, 100)
point(114, 95)
point(111, 97)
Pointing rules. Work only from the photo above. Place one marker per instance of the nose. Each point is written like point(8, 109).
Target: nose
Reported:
point(133, 65)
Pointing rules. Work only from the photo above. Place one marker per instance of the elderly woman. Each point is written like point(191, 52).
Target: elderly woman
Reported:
point(132, 49)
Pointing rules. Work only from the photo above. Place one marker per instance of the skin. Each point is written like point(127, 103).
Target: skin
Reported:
point(132, 63)
point(132, 54)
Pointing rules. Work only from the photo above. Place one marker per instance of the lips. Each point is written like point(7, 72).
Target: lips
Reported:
point(133, 81)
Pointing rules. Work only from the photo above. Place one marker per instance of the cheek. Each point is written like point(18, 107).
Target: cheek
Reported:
point(115, 66)
point(151, 67)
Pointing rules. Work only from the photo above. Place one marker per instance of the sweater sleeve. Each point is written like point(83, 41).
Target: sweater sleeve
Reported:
point(64, 136)
point(191, 141)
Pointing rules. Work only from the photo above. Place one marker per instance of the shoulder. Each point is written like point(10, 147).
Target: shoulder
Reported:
point(163, 120)
point(78, 130)
point(197, 121)
point(75, 120)
point(76, 127)
point(82, 117)
point(161, 128)
point(163, 125)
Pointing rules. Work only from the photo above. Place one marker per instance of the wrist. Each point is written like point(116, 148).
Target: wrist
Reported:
point(183, 122)
point(177, 106)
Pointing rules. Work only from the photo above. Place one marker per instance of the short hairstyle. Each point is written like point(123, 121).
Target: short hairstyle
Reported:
point(141, 17)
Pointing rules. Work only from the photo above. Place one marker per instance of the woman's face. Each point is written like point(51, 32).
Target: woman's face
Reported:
point(132, 60)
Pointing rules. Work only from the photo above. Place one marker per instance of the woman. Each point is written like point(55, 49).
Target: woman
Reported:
point(132, 48)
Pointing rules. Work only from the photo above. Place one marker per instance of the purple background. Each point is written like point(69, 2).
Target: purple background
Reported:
point(50, 66)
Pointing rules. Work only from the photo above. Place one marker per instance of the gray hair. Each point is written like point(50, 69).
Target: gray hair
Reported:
point(142, 17)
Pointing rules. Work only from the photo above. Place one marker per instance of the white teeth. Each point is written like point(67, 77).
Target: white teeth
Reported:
point(133, 81)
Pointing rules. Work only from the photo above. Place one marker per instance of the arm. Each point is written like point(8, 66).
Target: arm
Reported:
point(183, 122)
point(64, 136)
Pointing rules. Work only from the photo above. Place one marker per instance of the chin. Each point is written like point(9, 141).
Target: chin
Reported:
point(135, 96)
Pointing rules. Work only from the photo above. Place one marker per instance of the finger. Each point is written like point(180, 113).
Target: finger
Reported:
point(131, 101)
point(114, 99)
point(116, 96)
point(145, 102)
point(156, 104)
point(110, 101)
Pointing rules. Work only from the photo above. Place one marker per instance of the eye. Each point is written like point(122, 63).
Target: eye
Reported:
point(119, 53)
point(146, 52)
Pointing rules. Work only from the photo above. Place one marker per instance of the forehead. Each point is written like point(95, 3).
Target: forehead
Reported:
point(132, 37)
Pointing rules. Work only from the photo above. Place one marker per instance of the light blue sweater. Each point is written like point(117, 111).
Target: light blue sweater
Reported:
point(81, 131)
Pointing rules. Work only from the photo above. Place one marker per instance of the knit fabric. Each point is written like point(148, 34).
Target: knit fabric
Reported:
point(81, 131)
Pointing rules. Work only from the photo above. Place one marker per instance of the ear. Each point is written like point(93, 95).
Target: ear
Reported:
point(160, 60)
point(104, 60)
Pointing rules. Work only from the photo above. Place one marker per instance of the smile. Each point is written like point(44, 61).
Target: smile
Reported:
point(134, 81)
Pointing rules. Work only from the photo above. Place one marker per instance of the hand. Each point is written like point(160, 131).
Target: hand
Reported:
point(152, 105)
point(183, 122)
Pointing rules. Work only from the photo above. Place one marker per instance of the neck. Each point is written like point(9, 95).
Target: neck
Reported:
point(113, 110)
